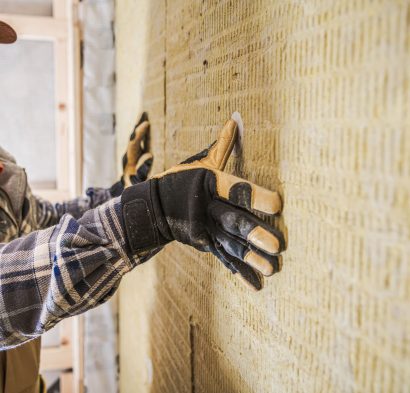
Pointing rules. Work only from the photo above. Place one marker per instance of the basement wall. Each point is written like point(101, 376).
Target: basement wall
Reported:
point(324, 91)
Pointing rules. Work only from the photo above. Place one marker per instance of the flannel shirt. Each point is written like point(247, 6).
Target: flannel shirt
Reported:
point(61, 271)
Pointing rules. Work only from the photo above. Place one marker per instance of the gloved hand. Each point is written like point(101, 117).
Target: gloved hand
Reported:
point(197, 204)
point(137, 160)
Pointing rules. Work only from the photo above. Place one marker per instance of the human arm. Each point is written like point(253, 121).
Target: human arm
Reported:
point(61, 271)
point(67, 269)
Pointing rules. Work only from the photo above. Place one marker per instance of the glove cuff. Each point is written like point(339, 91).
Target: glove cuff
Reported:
point(142, 218)
point(117, 188)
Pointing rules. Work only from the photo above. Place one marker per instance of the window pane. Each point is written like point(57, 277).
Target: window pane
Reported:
point(27, 118)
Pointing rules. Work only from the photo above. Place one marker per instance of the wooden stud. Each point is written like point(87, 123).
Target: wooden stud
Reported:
point(36, 27)
point(56, 358)
point(66, 382)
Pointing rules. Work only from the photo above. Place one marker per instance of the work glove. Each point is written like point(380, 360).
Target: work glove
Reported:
point(198, 204)
point(137, 160)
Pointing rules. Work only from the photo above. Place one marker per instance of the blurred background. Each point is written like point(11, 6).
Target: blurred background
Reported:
point(57, 86)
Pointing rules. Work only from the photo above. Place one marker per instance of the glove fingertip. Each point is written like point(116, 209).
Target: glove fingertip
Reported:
point(244, 272)
point(124, 161)
point(144, 117)
point(251, 283)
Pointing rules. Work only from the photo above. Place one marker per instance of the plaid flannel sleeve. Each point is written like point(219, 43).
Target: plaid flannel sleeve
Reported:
point(49, 214)
point(61, 271)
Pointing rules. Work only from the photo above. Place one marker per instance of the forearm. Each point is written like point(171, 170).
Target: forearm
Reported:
point(61, 271)
point(50, 214)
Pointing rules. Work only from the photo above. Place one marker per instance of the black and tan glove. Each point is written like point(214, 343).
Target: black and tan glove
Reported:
point(137, 160)
point(196, 203)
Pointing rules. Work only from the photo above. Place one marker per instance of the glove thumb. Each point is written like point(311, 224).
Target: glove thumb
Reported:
point(142, 170)
point(217, 154)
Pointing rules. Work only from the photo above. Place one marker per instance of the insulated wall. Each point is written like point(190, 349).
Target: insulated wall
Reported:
point(323, 88)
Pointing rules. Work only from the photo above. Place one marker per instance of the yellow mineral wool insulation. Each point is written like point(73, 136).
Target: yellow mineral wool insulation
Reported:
point(323, 88)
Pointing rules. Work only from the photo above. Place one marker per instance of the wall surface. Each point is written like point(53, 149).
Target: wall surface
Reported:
point(324, 91)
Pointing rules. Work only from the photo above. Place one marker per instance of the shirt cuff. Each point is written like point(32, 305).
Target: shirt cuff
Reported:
point(112, 221)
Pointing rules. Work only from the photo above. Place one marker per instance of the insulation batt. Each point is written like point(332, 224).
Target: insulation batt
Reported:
point(323, 88)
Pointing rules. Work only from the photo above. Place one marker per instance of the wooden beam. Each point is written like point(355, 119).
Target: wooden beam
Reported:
point(78, 354)
point(61, 112)
point(60, 8)
point(75, 100)
point(66, 331)
point(56, 358)
point(66, 382)
point(36, 27)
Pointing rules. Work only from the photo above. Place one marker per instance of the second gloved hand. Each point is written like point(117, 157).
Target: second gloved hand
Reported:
point(137, 160)
point(198, 204)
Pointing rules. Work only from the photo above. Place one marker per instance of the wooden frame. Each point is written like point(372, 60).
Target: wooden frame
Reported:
point(64, 30)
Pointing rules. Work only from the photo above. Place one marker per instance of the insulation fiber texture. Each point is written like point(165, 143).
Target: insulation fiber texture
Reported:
point(323, 88)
